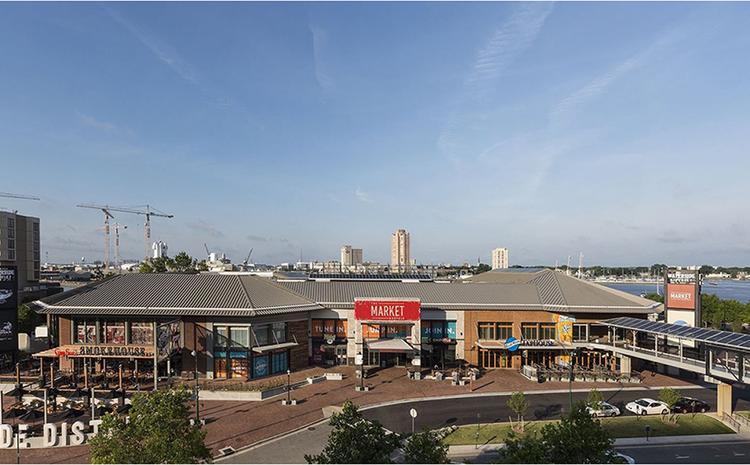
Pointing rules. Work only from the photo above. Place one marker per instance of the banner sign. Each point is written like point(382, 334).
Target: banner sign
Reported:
point(387, 310)
point(8, 308)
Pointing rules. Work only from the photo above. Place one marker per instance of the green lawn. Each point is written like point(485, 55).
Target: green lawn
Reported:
point(744, 414)
point(622, 427)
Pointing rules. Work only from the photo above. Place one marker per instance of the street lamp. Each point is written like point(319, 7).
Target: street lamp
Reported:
point(196, 388)
point(288, 387)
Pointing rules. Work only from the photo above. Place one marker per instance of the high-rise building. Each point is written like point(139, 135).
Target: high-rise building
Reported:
point(19, 246)
point(351, 256)
point(400, 255)
point(500, 258)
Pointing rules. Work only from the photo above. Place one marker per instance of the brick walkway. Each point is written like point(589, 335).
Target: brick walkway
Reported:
point(239, 424)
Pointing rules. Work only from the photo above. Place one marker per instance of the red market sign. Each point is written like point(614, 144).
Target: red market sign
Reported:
point(681, 296)
point(386, 310)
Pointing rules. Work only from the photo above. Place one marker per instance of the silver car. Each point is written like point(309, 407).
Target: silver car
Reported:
point(603, 410)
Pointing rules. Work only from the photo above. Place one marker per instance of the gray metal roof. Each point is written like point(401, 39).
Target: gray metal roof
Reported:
point(540, 290)
point(179, 294)
point(729, 339)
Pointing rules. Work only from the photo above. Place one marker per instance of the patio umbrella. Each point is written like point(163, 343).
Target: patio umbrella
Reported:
point(15, 412)
point(32, 415)
point(65, 414)
point(17, 392)
point(102, 410)
point(124, 409)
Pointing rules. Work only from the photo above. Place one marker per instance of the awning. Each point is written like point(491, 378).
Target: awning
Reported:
point(269, 348)
point(98, 351)
point(491, 344)
point(390, 345)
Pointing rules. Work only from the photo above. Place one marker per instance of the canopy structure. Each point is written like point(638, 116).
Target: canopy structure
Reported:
point(98, 351)
point(713, 337)
point(390, 345)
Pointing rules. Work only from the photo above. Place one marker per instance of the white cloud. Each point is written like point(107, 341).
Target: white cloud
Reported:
point(163, 51)
point(319, 43)
point(362, 196)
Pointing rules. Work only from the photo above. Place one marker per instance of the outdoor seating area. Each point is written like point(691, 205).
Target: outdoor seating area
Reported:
point(596, 374)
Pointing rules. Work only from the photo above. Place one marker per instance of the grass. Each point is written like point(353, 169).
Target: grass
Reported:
point(744, 414)
point(622, 427)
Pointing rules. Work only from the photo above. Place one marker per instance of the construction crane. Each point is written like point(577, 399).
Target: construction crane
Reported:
point(107, 215)
point(118, 261)
point(18, 196)
point(145, 210)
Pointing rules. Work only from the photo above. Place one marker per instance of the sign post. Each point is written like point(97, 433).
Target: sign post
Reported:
point(413, 414)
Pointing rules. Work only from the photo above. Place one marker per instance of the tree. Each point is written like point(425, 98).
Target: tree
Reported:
point(201, 266)
point(577, 438)
point(425, 447)
point(670, 397)
point(28, 319)
point(146, 267)
point(355, 439)
point(655, 297)
point(518, 404)
point(594, 399)
point(483, 267)
point(184, 263)
point(159, 431)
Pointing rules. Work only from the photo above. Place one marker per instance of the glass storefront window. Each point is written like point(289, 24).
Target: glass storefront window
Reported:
point(279, 362)
point(113, 332)
point(341, 326)
point(495, 331)
point(141, 332)
point(84, 332)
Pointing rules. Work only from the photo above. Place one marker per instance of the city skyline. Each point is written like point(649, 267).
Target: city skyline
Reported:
point(612, 129)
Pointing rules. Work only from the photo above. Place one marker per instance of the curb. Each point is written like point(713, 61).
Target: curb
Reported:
point(528, 393)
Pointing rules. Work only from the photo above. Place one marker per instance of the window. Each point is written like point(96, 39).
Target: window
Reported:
point(529, 331)
point(486, 330)
point(239, 337)
point(113, 332)
point(396, 331)
point(84, 332)
point(11, 228)
point(580, 332)
point(141, 332)
point(279, 362)
point(504, 331)
point(260, 366)
point(11, 243)
point(262, 337)
point(279, 332)
point(495, 331)
point(547, 331)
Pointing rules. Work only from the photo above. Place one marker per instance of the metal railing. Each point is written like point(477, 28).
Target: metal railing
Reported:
point(731, 421)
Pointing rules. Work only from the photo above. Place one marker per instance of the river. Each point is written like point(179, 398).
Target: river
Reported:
point(737, 290)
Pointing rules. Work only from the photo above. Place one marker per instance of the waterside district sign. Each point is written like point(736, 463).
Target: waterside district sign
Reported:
point(387, 310)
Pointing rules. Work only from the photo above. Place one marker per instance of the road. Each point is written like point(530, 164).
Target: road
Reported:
point(491, 409)
point(709, 452)
point(437, 413)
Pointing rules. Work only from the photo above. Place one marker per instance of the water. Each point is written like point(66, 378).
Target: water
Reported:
point(737, 290)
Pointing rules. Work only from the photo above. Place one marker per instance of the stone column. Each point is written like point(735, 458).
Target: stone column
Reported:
point(625, 365)
point(724, 398)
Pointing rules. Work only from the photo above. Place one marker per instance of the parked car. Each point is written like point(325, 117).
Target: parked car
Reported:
point(622, 458)
point(646, 406)
point(604, 410)
point(690, 405)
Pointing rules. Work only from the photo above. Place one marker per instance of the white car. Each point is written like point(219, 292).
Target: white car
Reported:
point(647, 406)
point(604, 410)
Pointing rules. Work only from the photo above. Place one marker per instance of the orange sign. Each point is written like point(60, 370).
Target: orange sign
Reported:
point(681, 296)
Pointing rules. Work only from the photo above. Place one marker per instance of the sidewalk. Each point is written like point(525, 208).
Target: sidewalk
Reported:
point(239, 424)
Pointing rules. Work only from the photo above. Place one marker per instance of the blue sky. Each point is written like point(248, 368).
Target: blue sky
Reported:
point(615, 129)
